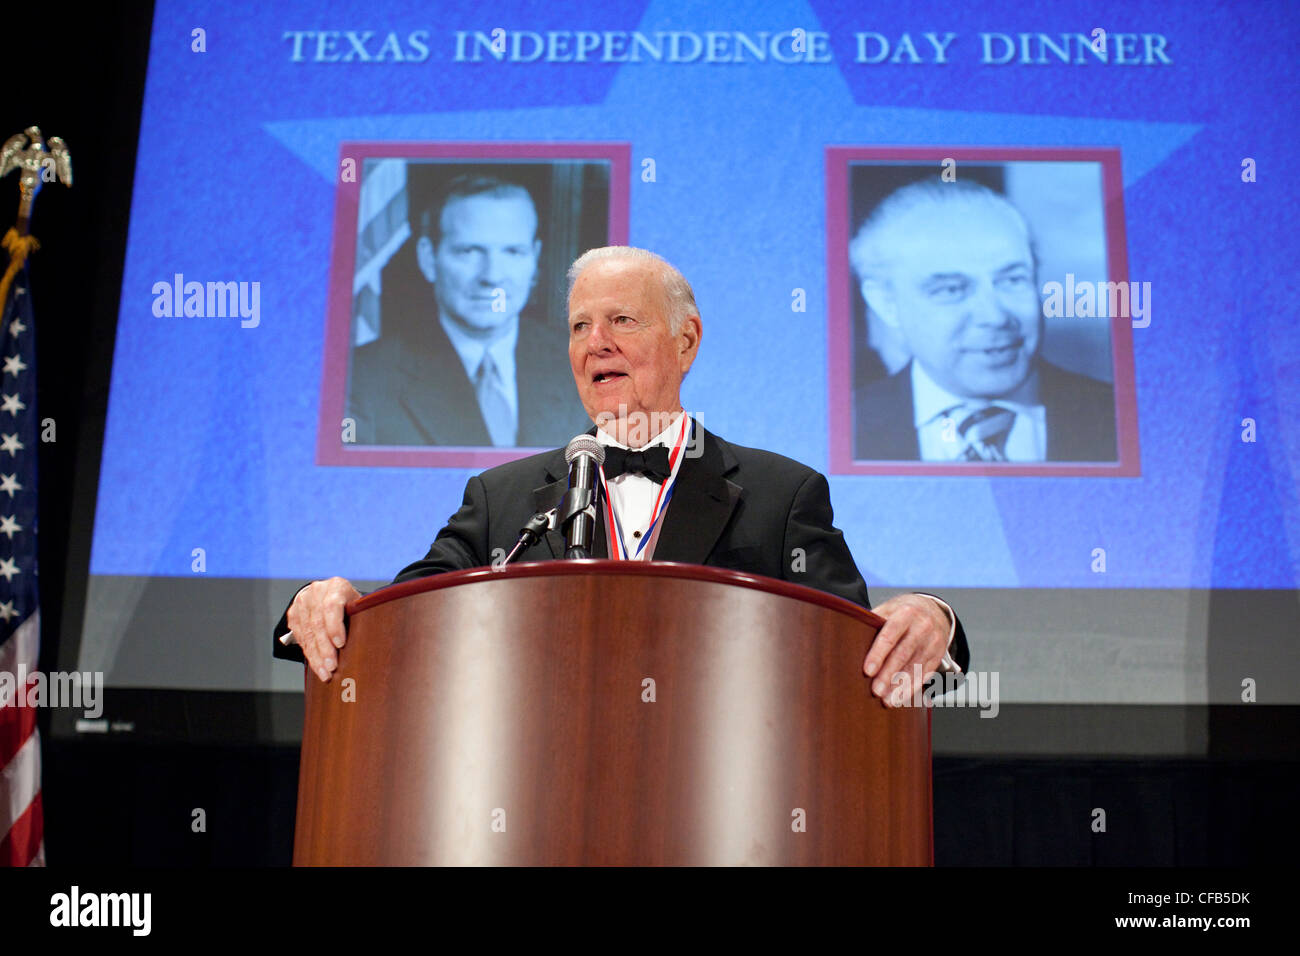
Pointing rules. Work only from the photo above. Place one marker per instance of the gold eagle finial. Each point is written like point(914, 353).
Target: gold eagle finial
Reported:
point(36, 165)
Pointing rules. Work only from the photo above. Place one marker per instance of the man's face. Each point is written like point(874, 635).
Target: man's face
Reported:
point(964, 295)
point(484, 265)
point(626, 361)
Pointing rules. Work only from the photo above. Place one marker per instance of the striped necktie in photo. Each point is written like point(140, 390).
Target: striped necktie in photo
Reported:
point(985, 432)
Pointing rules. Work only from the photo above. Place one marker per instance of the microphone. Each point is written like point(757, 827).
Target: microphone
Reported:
point(531, 532)
point(577, 511)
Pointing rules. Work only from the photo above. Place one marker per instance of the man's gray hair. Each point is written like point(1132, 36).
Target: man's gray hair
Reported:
point(679, 299)
point(870, 249)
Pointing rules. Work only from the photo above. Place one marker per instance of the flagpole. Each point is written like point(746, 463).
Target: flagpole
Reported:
point(22, 813)
point(36, 165)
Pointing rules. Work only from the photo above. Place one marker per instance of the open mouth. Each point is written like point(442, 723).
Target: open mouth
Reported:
point(1000, 351)
point(602, 378)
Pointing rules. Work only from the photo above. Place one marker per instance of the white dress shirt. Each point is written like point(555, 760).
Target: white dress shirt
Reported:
point(937, 412)
point(471, 352)
point(633, 496)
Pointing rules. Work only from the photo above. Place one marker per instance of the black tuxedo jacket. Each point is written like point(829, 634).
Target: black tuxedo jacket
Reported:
point(732, 507)
point(1080, 417)
point(409, 387)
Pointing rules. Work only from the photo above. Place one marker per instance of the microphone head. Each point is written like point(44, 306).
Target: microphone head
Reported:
point(584, 445)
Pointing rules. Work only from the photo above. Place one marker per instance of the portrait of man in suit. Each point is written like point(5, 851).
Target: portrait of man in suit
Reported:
point(456, 363)
point(950, 268)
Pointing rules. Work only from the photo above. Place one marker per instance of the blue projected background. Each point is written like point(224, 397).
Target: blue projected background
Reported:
point(212, 427)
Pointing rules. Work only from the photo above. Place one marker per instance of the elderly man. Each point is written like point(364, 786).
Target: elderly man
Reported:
point(951, 267)
point(634, 331)
point(469, 371)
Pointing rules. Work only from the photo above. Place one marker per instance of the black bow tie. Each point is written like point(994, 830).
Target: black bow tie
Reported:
point(651, 462)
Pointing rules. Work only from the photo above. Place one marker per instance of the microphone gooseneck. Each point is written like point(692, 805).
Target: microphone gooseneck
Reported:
point(531, 533)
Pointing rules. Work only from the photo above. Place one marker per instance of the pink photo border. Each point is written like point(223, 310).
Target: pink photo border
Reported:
point(840, 309)
point(338, 319)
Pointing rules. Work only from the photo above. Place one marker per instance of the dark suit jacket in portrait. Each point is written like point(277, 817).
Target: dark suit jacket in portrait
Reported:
point(409, 387)
point(1080, 413)
point(732, 507)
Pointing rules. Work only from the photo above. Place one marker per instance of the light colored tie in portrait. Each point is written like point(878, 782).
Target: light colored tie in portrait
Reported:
point(497, 415)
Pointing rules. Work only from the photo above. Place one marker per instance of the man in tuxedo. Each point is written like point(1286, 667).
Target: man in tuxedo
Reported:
point(634, 332)
point(461, 367)
point(950, 266)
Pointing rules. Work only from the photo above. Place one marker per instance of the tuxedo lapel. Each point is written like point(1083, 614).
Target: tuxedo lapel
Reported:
point(548, 496)
point(702, 503)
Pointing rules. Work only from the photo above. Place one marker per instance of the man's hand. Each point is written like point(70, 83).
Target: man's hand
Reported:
point(316, 619)
point(915, 635)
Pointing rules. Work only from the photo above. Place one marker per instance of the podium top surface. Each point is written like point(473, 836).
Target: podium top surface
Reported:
point(603, 567)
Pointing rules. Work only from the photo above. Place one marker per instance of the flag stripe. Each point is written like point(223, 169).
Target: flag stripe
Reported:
point(18, 723)
point(24, 844)
point(20, 782)
point(22, 647)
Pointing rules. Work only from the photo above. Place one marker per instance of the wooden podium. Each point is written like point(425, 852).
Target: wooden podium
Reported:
point(609, 712)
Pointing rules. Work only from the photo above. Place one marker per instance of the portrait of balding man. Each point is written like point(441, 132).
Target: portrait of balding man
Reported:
point(634, 332)
point(456, 363)
point(950, 267)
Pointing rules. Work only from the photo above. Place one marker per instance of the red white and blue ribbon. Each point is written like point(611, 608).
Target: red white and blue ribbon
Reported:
point(623, 553)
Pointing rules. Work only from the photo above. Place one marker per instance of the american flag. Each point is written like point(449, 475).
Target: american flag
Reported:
point(21, 821)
